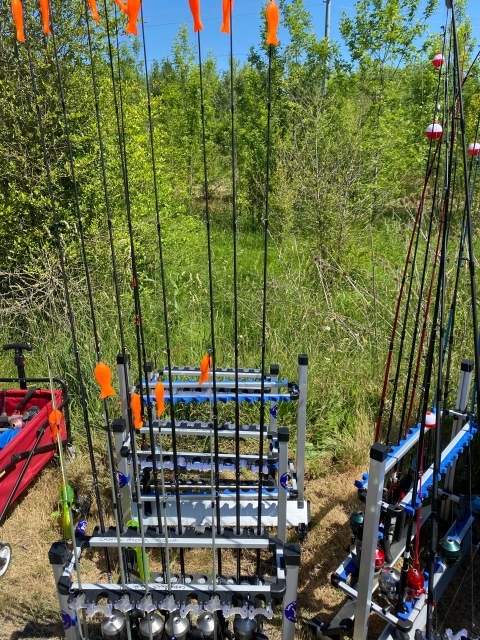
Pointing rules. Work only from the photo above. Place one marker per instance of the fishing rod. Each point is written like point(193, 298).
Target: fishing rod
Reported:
point(132, 418)
point(413, 576)
point(113, 258)
point(102, 371)
point(167, 341)
point(441, 329)
point(55, 422)
point(214, 446)
point(227, 27)
point(69, 309)
point(273, 17)
point(449, 333)
point(471, 264)
point(417, 229)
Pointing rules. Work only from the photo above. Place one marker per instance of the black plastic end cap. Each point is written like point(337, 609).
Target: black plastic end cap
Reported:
point(149, 367)
point(291, 553)
point(467, 365)
point(118, 425)
point(404, 626)
point(335, 579)
point(379, 452)
point(283, 435)
point(302, 358)
point(274, 369)
point(120, 359)
point(58, 553)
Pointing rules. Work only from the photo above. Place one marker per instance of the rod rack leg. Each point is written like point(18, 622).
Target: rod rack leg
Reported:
point(58, 556)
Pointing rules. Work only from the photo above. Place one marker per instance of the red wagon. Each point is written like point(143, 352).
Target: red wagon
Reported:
point(31, 446)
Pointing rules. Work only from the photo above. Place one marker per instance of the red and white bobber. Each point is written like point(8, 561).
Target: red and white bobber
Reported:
point(474, 149)
point(415, 583)
point(438, 60)
point(430, 420)
point(434, 131)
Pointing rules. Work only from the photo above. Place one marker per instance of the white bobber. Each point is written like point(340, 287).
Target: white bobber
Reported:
point(430, 420)
point(474, 149)
point(434, 131)
point(438, 60)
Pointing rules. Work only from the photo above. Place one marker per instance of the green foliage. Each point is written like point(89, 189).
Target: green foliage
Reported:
point(345, 167)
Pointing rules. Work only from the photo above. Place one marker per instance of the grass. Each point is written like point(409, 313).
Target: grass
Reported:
point(316, 305)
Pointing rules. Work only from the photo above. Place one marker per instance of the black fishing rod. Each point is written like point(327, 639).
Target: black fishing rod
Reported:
point(442, 284)
point(166, 323)
point(471, 264)
point(115, 489)
point(430, 167)
point(198, 27)
point(400, 607)
point(428, 172)
point(56, 223)
point(132, 432)
point(235, 284)
point(272, 16)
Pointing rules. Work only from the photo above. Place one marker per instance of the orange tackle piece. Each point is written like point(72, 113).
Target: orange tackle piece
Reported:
point(204, 368)
point(136, 410)
point(54, 421)
point(227, 7)
point(132, 9)
point(160, 398)
point(17, 11)
point(103, 375)
point(93, 9)
point(195, 9)
point(45, 10)
point(273, 18)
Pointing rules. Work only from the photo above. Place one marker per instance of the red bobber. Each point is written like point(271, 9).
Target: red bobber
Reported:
point(379, 560)
point(474, 149)
point(415, 583)
point(430, 420)
point(438, 60)
point(434, 131)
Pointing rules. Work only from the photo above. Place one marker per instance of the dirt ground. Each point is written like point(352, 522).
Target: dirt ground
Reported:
point(28, 605)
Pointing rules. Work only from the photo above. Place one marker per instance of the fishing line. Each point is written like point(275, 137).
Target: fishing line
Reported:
point(167, 332)
point(67, 301)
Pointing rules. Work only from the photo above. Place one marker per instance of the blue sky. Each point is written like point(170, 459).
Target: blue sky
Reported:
point(162, 21)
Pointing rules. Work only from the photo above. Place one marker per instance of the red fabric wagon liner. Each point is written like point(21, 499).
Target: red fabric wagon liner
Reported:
point(25, 440)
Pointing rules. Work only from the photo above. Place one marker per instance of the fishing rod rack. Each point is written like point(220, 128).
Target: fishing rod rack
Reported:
point(358, 575)
point(188, 595)
point(283, 501)
point(247, 599)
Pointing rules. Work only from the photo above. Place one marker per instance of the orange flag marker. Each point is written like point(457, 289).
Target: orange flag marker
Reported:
point(17, 11)
point(204, 368)
point(93, 9)
point(273, 18)
point(131, 9)
point(103, 375)
point(136, 410)
point(45, 10)
point(160, 398)
point(195, 9)
point(54, 420)
point(227, 7)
